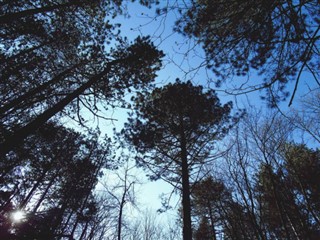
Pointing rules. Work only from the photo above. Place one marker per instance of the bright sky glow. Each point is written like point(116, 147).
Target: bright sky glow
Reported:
point(18, 216)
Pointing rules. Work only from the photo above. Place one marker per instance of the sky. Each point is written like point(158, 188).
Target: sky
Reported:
point(141, 22)
point(176, 64)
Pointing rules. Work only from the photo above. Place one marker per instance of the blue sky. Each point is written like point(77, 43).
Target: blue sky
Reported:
point(177, 65)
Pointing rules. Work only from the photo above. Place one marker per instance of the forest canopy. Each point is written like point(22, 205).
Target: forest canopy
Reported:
point(279, 40)
point(67, 67)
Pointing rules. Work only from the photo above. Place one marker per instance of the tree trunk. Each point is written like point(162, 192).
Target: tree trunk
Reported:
point(122, 204)
point(279, 205)
point(120, 216)
point(14, 16)
point(17, 137)
point(45, 192)
point(66, 224)
point(30, 94)
point(34, 188)
point(212, 221)
point(187, 230)
point(83, 233)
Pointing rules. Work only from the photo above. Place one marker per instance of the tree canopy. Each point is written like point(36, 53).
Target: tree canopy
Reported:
point(56, 58)
point(277, 39)
point(174, 129)
point(238, 176)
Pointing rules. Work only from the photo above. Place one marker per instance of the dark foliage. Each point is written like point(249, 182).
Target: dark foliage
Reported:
point(174, 130)
point(51, 178)
point(54, 61)
point(278, 39)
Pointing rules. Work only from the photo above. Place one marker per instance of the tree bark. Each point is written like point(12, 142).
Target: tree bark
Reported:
point(122, 203)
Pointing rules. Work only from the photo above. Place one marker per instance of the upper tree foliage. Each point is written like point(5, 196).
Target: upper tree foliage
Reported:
point(278, 39)
point(174, 129)
point(57, 54)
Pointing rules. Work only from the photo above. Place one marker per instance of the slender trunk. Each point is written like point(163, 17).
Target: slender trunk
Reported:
point(75, 225)
point(26, 51)
point(29, 12)
point(8, 201)
point(101, 230)
point(122, 203)
point(279, 206)
point(212, 221)
point(35, 186)
point(187, 230)
point(57, 220)
point(35, 209)
point(17, 137)
point(250, 208)
point(81, 210)
point(120, 216)
point(30, 94)
point(67, 222)
point(307, 200)
point(83, 233)
point(91, 234)
point(293, 227)
point(102, 233)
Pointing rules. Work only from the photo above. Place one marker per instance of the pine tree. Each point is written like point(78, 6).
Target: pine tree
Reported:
point(174, 130)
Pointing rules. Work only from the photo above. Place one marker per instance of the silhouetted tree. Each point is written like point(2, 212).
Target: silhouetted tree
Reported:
point(55, 61)
point(122, 192)
point(51, 178)
point(302, 173)
point(174, 130)
point(204, 231)
point(278, 39)
point(209, 196)
point(266, 197)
